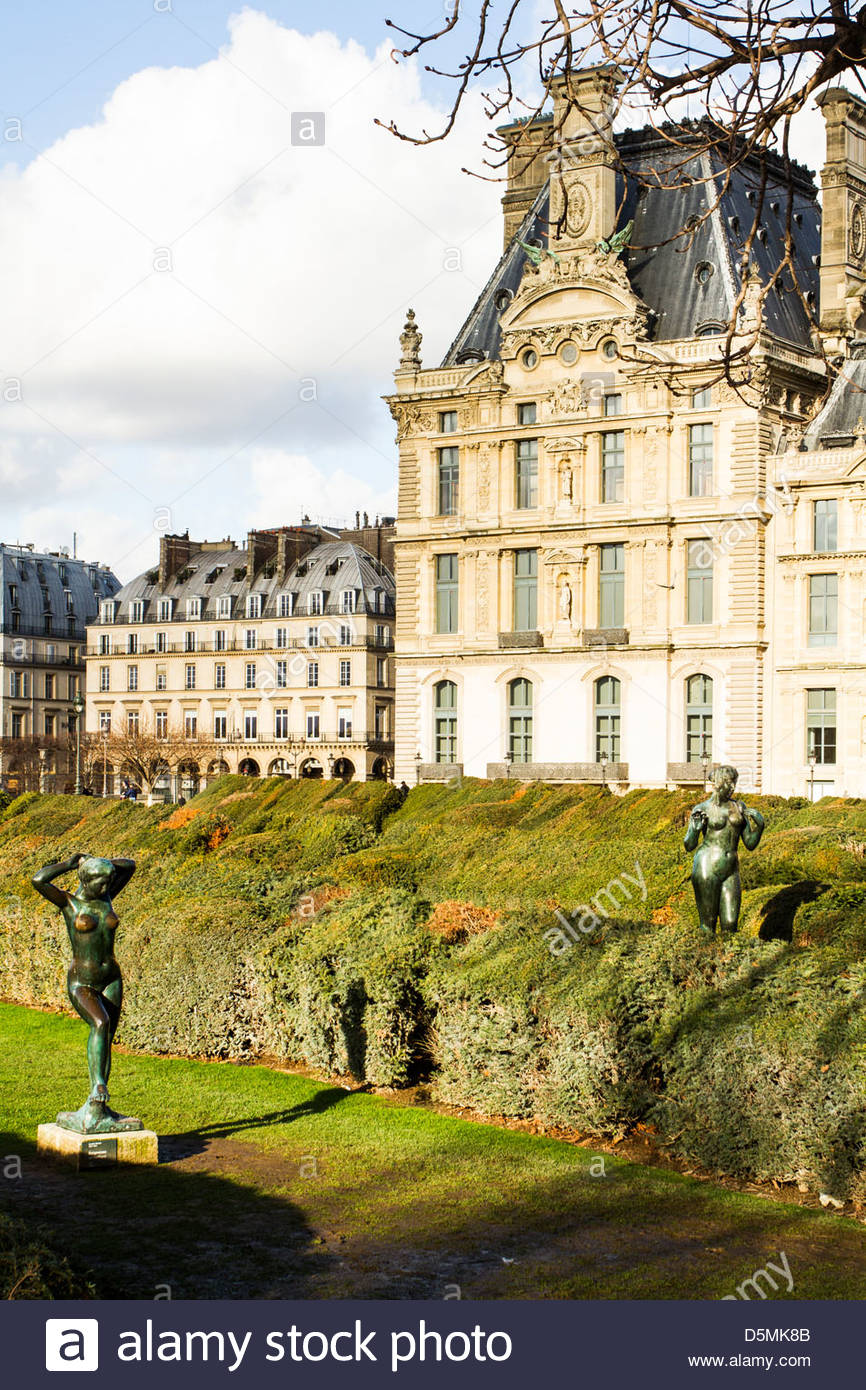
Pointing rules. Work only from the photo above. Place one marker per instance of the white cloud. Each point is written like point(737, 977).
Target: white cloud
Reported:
point(286, 263)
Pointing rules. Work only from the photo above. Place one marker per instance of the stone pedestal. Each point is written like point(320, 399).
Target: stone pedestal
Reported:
point(85, 1151)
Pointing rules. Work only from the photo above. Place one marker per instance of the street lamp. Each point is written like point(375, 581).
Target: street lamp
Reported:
point(603, 759)
point(813, 758)
point(78, 707)
point(509, 758)
point(418, 769)
point(705, 763)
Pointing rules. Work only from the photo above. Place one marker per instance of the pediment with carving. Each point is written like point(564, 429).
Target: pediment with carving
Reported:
point(574, 288)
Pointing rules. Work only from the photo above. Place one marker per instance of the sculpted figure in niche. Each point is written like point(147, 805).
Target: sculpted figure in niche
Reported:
point(565, 600)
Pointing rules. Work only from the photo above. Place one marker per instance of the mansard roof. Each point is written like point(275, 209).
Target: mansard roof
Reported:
point(330, 567)
point(40, 582)
point(667, 268)
point(842, 417)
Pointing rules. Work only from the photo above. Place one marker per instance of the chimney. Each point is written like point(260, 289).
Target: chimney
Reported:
point(583, 168)
point(843, 219)
point(529, 146)
point(175, 553)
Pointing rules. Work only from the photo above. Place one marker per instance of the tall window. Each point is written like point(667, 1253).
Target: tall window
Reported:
point(345, 673)
point(612, 404)
point(286, 605)
point(526, 482)
point(132, 722)
point(161, 642)
point(700, 460)
point(281, 722)
point(104, 678)
point(224, 606)
point(281, 637)
point(448, 422)
point(219, 639)
point(282, 674)
point(445, 722)
point(161, 678)
point(449, 479)
point(446, 593)
point(132, 677)
point(313, 725)
point(525, 590)
point(344, 721)
point(312, 673)
point(189, 641)
point(527, 413)
point(381, 670)
point(193, 608)
point(316, 601)
point(823, 609)
point(699, 718)
point(520, 720)
point(161, 723)
point(136, 610)
point(608, 716)
point(105, 721)
point(251, 638)
point(220, 725)
point(612, 465)
point(104, 644)
point(345, 635)
point(254, 605)
point(699, 583)
point(702, 397)
point(611, 586)
point(50, 684)
point(219, 676)
point(250, 675)
point(251, 725)
point(821, 725)
point(825, 526)
point(347, 601)
point(164, 608)
point(189, 676)
point(312, 636)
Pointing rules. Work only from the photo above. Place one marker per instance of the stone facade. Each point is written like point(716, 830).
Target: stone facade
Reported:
point(601, 560)
point(274, 659)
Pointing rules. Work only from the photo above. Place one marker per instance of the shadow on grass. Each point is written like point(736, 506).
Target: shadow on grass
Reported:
point(778, 912)
point(147, 1232)
point(195, 1141)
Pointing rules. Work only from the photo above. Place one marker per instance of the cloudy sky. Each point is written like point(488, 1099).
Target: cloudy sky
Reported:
point(199, 316)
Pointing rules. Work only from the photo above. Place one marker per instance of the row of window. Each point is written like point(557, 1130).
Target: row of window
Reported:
point(612, 477)
point(53, 724)
point(287, 604)
point(275, 676)
point(611, 588)
point(250, 639)
point(250, 728)
point(22, 687)
point(50, 625)
point(607, 719)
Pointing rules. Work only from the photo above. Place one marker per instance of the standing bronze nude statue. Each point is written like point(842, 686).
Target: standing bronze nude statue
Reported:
point(723, 822)
point(94, 982)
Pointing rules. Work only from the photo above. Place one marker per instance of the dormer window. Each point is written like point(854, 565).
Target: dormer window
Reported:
point(224, 606)
point(136, 610)
point(383, 601)
point(61, 573)
point(193, 608)
point(107, 611)
point(165, 609)
point(254, 605)
point(316, 601)
point(347, 601)
point(67, 595)
point(286, 605)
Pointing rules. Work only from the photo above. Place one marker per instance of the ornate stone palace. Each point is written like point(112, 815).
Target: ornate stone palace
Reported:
point(274, 659)
point(615, 561)
point(46, 602)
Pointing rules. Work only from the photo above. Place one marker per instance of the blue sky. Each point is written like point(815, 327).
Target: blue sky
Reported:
point(173, 270)
point(60, 61)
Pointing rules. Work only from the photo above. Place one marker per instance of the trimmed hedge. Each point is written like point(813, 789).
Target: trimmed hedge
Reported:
point(337, 927)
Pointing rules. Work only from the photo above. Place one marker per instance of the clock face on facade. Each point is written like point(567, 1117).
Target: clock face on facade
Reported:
point(857, 232)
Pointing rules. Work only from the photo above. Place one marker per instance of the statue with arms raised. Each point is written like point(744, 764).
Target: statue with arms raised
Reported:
point(94, 982)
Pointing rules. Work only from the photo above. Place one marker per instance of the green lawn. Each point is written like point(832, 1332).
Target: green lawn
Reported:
point(276, 1186)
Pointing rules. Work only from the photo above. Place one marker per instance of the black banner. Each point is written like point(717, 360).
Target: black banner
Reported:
point(451, 1344)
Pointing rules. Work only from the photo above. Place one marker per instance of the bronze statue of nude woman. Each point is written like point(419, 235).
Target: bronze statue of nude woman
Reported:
point(94, 982)
point(723, 822)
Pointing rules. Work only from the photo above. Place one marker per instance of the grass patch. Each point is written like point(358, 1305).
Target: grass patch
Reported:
point(276, 1186)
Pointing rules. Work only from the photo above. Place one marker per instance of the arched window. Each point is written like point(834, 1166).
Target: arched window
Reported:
point(699, 718)
point(445, 722)
point(520, 720)
point(608, 717)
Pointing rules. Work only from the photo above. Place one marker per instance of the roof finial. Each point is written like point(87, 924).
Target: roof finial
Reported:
point(410, 342)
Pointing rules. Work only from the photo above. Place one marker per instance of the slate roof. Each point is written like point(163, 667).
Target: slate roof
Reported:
point(664, 275)
point(844, 411)
point(331, 567)
point(33, 574)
